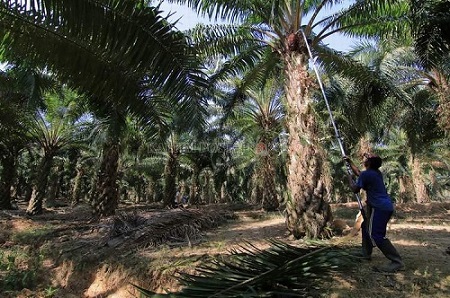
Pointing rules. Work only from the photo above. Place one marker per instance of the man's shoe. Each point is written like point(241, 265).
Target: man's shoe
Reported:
point(392, 267)
point(361, 255)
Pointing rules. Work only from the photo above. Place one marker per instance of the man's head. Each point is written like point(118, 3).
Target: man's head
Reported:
point(372, 161)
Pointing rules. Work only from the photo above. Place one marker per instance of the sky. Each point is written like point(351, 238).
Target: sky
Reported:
point(188, 19)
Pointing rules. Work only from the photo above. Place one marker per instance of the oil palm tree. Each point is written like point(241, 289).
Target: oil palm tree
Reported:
point(260, 118)
point(14, 137)
point(53, 130)
point(116, 51)
point(268, 38)
point(20, 95)
point(198, 157)
point(432, 44)
point(51, 138)
point(122, 54)
point(105, 193)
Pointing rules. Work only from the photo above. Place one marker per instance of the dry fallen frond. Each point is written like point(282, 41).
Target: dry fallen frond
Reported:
point(174, 227)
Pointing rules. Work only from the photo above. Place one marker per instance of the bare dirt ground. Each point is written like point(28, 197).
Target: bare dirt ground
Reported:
point(62, 253)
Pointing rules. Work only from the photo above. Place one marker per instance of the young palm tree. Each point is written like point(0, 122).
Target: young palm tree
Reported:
point(20, 94)
point(122, 54)
point(260, 118)
point(51, 138)
point(54, 129)
point(270, 40)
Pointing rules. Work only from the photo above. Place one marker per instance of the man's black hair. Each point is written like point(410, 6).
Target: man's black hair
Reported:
point(375, 162)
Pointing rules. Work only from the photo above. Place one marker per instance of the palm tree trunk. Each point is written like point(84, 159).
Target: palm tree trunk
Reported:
point(54, 187)
point(442, 88)
point(36, 202)
point(150, 190)
point(106, 198)
point(207, 192)
point(139, 189)
point(194, 195)
point(170, 180)
point(76, 189)
point(420, 188)
point(308, 214)
point(269, 197)
point(224, 197)
point(72, 172)
point(257, 190)
point(405, 189)
point(9, 168)
point(264, 191)
point(364, 145)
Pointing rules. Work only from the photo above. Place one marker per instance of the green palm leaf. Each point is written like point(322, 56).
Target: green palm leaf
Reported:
point(430, 22)
point(370, 19)
point(118, 52)
point(280, 271)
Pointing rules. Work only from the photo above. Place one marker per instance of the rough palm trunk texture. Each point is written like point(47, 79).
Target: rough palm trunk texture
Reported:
point(270, 200)
point(207, 192)
point(6, 181)
point(36, 202)
point(170, 179)
point(364, 147)
point(76, 189)
point(257, 189)
point(150, 191)
point(420, 188)
point(106, 198)
point(264, 192)
point(54, 187)
point(193, 195)
point(442, 89)
point(405, 189)
point(308, 214)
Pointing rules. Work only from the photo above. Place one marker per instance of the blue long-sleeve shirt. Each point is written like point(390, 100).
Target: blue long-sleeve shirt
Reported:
point(372, 182)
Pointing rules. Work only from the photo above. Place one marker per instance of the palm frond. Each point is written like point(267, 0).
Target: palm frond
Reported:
point(430, 22)
point(150, 230)
point(118, 52)
point(282, 270)
point(368, 19)
point(219, 39)
point(362, 75)
point(222, 9)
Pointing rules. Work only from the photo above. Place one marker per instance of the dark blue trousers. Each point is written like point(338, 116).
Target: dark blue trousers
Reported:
point(374, 231)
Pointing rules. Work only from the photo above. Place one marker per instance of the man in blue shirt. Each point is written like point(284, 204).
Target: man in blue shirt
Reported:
point(379, 211)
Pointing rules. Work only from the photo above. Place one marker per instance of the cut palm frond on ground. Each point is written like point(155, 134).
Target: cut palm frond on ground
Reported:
point(177, 226)
point(282, 270)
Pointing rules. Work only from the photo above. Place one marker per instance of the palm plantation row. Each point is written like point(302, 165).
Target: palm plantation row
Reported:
point(106, 100)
